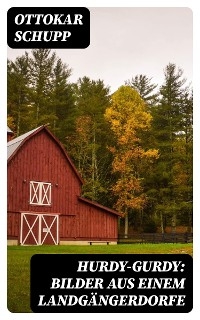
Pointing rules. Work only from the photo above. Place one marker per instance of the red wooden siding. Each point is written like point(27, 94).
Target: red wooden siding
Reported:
point(41, 160)
point(67, 227)
point(95, 223)
point(13, 225)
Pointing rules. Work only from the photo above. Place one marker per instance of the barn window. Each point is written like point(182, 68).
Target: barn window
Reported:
point(40, 193)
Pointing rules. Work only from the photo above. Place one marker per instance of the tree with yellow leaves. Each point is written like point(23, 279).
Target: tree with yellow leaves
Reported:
point(128, 118)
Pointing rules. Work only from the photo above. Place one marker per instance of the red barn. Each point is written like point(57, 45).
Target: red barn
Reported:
point(44, 196)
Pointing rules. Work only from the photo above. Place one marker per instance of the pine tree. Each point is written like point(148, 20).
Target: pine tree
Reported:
point(18, 92)
point(169, 132)
point(41, 67)
point(142, 84)
point(61, 100)
point(87, 146)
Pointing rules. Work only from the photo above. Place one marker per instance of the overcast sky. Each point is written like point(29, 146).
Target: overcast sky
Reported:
point(125, 42)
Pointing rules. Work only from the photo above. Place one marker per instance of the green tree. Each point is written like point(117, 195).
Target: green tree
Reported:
point(39, 92)
point(142, 84)
point(171, 125)
point(41, 67)
point(183, 169)
point(18, 92)
point(62, 101)
point(88, 145)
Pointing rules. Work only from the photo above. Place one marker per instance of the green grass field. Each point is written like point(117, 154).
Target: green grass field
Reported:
point(18, 264)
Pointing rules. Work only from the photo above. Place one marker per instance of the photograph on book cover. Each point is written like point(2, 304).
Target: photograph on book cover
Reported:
point(100, 158)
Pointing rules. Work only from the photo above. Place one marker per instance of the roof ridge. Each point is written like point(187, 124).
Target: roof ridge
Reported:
point(22, 137)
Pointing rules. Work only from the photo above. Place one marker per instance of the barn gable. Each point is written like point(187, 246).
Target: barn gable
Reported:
point(14, 146)
point(44, 196)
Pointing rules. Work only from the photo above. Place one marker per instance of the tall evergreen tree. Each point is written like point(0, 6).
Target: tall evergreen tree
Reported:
point(61, 100)
point(183, 170)
point(18, 92)
point(168, 119)
point(88, 145)
point(39, 92)
point(142, 84)
point(41, 67)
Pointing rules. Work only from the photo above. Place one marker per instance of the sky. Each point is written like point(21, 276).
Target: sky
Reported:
point(126, 41)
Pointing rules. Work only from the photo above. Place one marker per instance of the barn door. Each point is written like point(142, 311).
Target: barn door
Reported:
point(49, 229)
point(38, 229)
point(30, 225)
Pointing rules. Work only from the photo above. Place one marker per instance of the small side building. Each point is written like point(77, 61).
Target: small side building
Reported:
point(45, 205)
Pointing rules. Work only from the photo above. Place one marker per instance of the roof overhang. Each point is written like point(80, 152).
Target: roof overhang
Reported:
point(99, 206)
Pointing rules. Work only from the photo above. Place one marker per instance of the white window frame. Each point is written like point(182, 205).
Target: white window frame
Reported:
point(40, 193)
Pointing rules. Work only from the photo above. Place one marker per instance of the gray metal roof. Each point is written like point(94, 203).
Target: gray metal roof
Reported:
point(15, 143)
point(9, 130)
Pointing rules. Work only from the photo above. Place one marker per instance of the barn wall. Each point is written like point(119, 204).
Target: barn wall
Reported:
point(13, 225)
point(95, 223)
point(40, 159)
point(67, 226)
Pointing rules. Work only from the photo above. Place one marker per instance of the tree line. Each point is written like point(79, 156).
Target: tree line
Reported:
point(133, 147)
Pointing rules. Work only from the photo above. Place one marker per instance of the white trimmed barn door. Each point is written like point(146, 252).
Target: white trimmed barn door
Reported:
point(38, 229)
point(49, 229)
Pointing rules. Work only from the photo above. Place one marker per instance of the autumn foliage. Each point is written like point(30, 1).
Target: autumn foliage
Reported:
point(128, 117)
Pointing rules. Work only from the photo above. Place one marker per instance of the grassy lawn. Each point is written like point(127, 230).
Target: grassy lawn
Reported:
point(18, 264)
